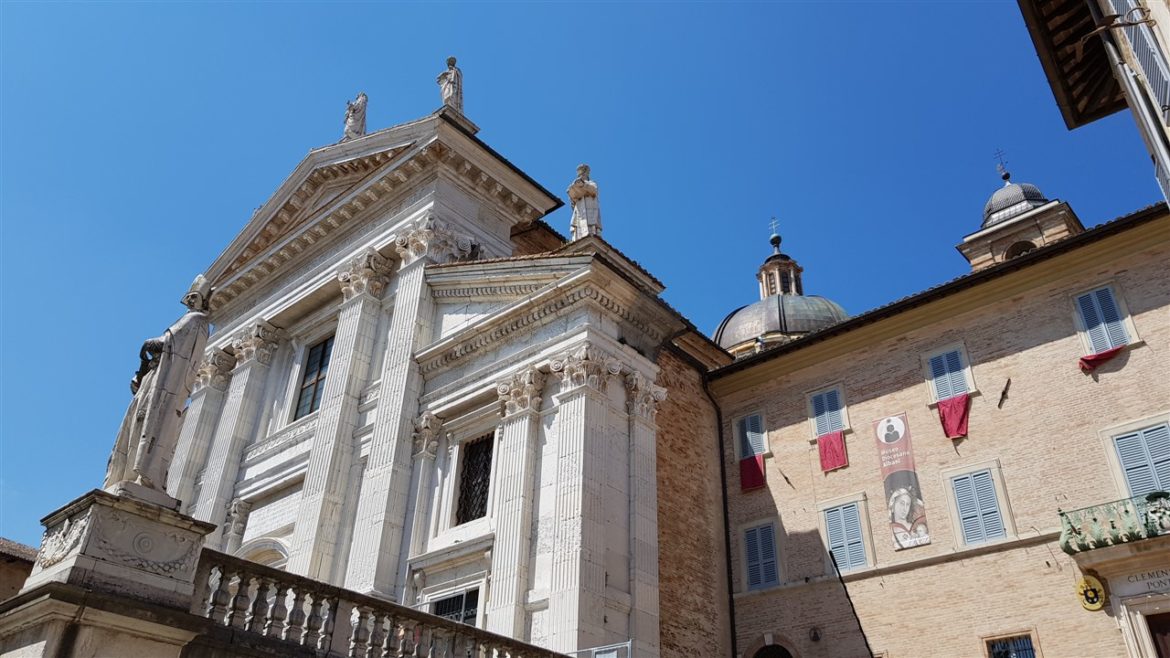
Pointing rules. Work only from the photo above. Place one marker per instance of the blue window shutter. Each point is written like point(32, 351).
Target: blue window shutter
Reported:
point(752, 550)
point(1091, 317)
point(1111, 317)
point(1145, 459)
point(972, 527)
point(988, 505)
point(768, 572)
point(751, 436)
point(827, 414)
point(948, 375)
point(855, 543)
point(835, 531)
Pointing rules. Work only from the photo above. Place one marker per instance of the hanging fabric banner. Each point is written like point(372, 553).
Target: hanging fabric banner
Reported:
point(907, 512)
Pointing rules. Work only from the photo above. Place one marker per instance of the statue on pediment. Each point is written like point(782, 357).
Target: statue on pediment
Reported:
point(168, 367)
point(355, 117)
point(451, 85)
point(586, 211)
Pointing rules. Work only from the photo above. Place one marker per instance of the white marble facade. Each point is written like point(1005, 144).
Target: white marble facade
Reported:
point(397, 244)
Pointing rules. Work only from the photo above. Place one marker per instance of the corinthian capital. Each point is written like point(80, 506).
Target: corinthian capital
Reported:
point(426, 435)
point(366, 273)
point(585, 365)
point(431, 238)
point(522, 391)
point(215, 370)
point(643, 396)
point(258, 342)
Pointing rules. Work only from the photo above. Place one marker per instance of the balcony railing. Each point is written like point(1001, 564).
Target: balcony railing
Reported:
point(330, 621)
point(1119, 522)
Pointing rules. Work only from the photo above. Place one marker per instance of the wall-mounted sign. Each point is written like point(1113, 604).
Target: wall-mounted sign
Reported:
point(1091, 593)
point(1155, 580)
point(903, 495)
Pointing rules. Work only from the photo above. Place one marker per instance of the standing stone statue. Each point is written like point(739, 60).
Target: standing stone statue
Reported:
point(150, 429)
point(586, 212)
point(451, 85)
point(355, 117)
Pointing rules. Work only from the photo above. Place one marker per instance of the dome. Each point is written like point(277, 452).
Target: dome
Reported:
point(784, 314)
point(1011, 200)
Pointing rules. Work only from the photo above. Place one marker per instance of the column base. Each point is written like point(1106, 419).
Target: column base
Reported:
point(122, 546)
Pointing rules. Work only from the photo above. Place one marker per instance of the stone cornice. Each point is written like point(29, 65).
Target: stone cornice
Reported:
point(587, 286)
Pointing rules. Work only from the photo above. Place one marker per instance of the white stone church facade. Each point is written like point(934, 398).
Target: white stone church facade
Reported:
point(418, 390)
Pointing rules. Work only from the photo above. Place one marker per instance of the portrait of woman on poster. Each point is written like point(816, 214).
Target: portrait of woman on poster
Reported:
point(907, 519)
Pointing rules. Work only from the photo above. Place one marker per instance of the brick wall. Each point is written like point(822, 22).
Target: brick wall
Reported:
point(941, 599)
point(691, 567)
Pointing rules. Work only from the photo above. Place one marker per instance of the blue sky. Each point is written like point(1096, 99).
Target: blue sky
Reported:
point(136, 139)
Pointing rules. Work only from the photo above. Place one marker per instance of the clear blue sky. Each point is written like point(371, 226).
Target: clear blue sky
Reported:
point(138, 138)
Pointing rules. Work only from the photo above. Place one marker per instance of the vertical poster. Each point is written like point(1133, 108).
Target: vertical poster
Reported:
point(907, 512)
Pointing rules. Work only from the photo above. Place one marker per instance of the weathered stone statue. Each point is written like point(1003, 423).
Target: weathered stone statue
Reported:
point(451, 85)
point(586, 211)
point(150, 429)
point(355, 117)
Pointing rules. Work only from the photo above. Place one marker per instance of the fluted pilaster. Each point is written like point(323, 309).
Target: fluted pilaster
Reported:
point(199, 423)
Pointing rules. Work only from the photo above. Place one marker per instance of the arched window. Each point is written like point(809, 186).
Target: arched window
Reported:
point(266, 551)
point(1019, 249)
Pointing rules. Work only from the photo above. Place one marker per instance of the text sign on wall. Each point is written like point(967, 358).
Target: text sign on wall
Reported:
point(907, 512)
point(1152, 581)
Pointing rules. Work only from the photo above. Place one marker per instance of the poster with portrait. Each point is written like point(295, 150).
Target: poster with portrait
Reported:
point(907, 512)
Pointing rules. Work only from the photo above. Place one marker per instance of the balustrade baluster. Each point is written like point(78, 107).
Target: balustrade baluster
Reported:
point(259, 610)
point(218, 606)
point(422, 647)
point(377, 635)
point(295, 630)
point(314, 622)
point(359, 638)
point(241, 601)
point(277, 612)
point(330, 623)
point(406, 647)
point(393, 637)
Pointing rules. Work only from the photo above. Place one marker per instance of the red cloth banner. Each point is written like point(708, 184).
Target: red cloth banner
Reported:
point(751, 473)
point(832, 449)
point(1093, 361)
point(953, 412)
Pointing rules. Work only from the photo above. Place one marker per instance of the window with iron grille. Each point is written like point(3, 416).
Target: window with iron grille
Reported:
point(474, 479)
point(1019, 646)
point(463, 607)
point(313, 381)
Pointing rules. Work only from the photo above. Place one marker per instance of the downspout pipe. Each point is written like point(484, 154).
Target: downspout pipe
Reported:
point(726, 512)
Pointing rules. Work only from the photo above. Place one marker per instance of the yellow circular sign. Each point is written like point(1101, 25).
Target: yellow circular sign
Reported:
point(1091, 592)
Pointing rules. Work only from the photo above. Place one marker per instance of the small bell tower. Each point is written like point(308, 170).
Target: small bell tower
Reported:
point(779, 275)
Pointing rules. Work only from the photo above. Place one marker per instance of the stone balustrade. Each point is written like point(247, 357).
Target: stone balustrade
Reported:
point(1118, 522)
point(331, 621)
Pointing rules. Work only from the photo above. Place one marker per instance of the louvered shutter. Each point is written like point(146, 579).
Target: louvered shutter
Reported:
point(769, 575)
point(835, 529)
point(948, 375)
point(827, 412)
point(1145, 459)
point(751, 435)
point(1102, 319)
point(752, 551)
point(843, 527)
point(978, 507)
point(1149, 55)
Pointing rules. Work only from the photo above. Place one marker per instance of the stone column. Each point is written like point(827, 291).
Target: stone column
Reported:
point(237, 524)
point(314, 550)
point(198, 425)
point(426, 443)
point(642, 400)
point(514, 490)
point(237, 424)
point(381, 512)
point(577, 591)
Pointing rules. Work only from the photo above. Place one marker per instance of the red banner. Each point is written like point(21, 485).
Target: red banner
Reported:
point(907, 512)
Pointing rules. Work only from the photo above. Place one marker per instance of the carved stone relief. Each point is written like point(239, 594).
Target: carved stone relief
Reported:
point(258, 342)
point(522, 392)
point(367, 273)
point(585, 365)
point(433, 239)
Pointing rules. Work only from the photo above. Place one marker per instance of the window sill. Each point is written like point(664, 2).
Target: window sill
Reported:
point(845, 431)
point(933, 404)
point(1127, 346)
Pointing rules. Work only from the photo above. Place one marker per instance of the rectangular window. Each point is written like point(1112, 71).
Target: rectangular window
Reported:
point(978, 507)
point(462, 607)
point(948, 374)
point(1102, 320)
point(751, 436)
point(828, 414)
point(760, 549)
point(474, 479)
point(313, 381)
point(1019, 646)
point(1145, 459)
point(843, 530)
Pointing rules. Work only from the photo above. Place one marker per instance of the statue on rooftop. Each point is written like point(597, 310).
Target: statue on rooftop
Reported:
point(586, 212)
point(355, 117)
point(451, 85)
point(168, 364)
